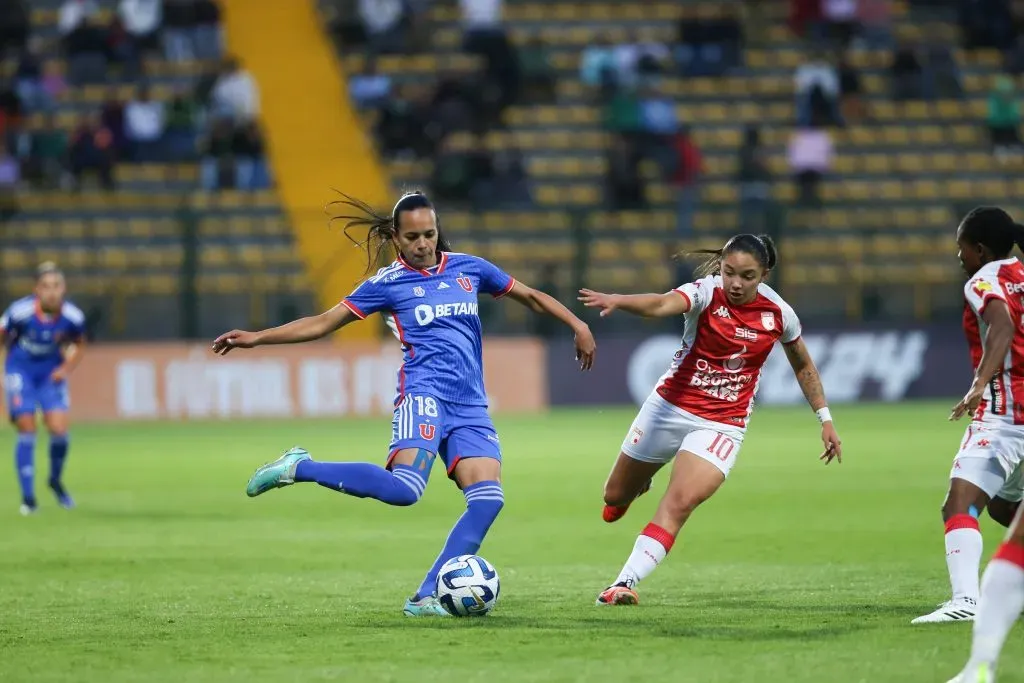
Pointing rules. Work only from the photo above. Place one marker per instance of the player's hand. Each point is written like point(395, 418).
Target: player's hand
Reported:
point(969, 403)
point(235, 339)
point(59, 375)
point(591, 299)
point(833, 446)
point(586, 347)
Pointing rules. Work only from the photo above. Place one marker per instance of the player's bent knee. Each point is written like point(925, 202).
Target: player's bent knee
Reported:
point(615, 494)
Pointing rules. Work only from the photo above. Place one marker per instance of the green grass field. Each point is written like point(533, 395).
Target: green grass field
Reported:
point(794, 572)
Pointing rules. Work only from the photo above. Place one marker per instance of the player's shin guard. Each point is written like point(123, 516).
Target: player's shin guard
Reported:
point(403, 485)
point(484, 501)
point(58, 454)
point(1002, 600)
point(650, 549)
point(24, 464)
point(963, 556)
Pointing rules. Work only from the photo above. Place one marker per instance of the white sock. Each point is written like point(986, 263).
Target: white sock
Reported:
point(650, 549)
point(1002, 599)
point(963, 556)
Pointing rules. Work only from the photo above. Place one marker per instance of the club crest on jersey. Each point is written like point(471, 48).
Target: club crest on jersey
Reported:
point(418, 291)
point(465, 283)
point(428, 431)
point(768, 320)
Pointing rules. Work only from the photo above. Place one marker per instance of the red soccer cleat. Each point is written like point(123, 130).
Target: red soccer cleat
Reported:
point(619, 594)
point(613, 513)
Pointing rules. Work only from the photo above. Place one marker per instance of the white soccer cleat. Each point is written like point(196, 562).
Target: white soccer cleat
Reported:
point(962, 609)
point(27, 510)
point(982, 673)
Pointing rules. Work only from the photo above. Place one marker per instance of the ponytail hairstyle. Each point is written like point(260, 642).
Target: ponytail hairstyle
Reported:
point(761, 247)
point(381, 230)
point(991, 227)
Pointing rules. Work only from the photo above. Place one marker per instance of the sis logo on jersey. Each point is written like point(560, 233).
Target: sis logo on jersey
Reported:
point(426, 314)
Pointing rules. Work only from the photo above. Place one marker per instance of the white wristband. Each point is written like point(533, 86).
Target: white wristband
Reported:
point(823, 415)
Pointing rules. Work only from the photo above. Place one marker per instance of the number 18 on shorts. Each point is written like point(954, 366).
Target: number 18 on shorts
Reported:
point(661, 430)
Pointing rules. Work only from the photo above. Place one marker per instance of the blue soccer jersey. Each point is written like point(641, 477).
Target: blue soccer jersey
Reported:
point(435, 315)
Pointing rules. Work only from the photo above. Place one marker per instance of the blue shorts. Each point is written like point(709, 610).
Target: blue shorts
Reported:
point(451, 430)
point(26, 393)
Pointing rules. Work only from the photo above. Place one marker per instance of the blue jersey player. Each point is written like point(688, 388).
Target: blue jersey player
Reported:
point(428, 297)
point(43, 335)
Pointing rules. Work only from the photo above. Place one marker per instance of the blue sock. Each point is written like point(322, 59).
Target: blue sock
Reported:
point(403, 485)
point(58, 454)
point(24, 457)
point(484, 501)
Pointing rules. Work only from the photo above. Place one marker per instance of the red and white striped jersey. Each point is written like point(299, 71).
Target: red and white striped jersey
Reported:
point(1003, 280)
point(715, 373)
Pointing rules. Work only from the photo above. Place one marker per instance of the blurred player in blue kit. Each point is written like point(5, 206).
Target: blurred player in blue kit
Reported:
point(43, 335)
point(428, 297)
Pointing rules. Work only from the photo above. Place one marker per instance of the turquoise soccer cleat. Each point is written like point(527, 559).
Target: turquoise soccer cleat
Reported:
point(424, 607)
point(276, 474)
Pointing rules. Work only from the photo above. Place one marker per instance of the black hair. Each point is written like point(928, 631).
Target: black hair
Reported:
point(991, 227)
point(761, 247)
point(381, 228)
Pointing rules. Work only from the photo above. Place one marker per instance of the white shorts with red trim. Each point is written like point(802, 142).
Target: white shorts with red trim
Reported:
point(661, 430)
point(990, 457)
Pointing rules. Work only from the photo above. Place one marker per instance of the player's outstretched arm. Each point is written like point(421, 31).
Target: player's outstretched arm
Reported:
point(646, 305)
point(539, 302)
point(297, 331)
point(994, 349)
point(810, 383)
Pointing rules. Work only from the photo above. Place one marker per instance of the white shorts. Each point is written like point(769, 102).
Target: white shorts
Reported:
point(661, 430)
point(990, 458)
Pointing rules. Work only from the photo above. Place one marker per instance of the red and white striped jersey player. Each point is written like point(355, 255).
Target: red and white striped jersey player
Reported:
point(697, 414)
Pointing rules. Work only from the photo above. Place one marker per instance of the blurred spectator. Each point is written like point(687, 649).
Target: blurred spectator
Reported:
point(10, 178)
point(851, 99)
point(658, 126)
point(178, 34)
point(689, 168)
point(625, 188)
point(803, 14)
point(14, 25)
point(112, 118)
point(182, 117)
point(1004, 120)
point(73, 14)
point(235, 93)
point(142, 19)
point(940, 71)
point(754, 179)
point(539, 82)
point(384, 23)
point(401, 129)
point(217, 168)
point(709, 47)
point(622, 112)
point(810, 158)
point(370, 89)
point(123, 50)
point(54, 85)
point(639, 58)
point(251, 171)
point(906, 74)
point(481, 21)
point(48, 157)
point(875, 23)
point(28, 78)
point(597, 65)
point(481, 172)
point(208, 35)
point(840, 20)
point(511, 182)
point(817, 92)
point(986, 23)
point(144, 123)
point(92, 152)
point(453, 172)
point(86, 49)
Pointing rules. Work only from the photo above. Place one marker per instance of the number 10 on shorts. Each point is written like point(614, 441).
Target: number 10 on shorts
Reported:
point(722, 447)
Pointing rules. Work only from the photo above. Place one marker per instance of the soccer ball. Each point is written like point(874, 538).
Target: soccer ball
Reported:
point(467, 586)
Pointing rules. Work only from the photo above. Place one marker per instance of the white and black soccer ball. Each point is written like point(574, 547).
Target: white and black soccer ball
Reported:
point(468, 586)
